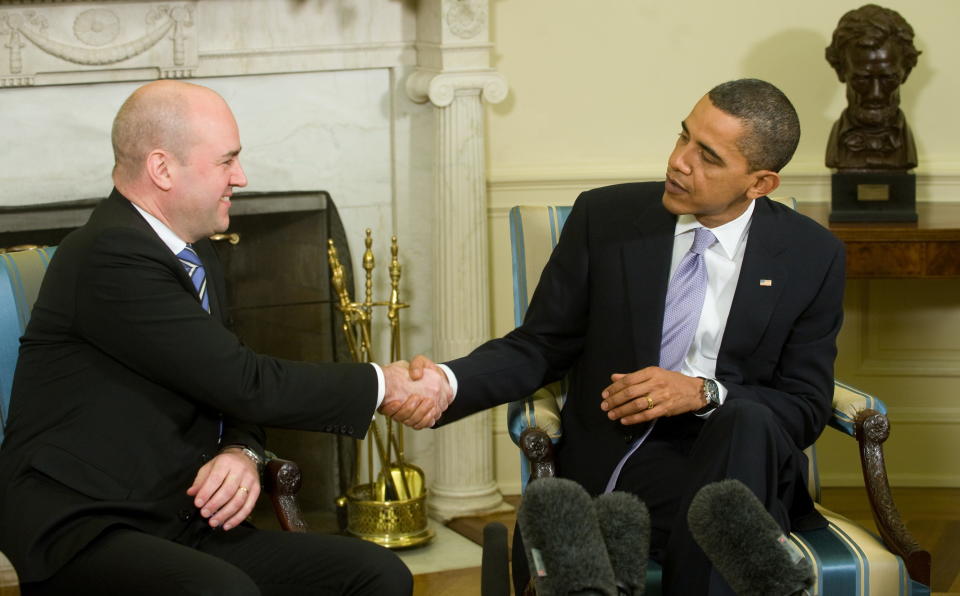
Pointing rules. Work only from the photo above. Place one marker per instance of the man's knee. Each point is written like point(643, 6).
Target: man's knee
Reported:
point(385, 573)
point(743, 412)
point(220, 579)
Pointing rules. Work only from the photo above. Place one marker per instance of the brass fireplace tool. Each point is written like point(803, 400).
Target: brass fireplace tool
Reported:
point(390, 507)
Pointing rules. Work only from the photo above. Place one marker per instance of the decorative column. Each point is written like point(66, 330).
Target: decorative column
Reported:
point(454, 75)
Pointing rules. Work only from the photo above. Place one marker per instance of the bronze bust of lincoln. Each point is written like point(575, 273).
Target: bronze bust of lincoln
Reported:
point(873, 53)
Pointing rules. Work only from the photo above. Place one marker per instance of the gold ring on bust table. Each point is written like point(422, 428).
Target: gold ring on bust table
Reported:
point(244, 489)
point(650, 403)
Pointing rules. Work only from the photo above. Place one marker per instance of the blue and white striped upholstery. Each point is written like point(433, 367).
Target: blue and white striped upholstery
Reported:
point(848, 559)
point(20, 277)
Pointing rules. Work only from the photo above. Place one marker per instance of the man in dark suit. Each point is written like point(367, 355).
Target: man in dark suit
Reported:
point(132, 452)
point(660, 405)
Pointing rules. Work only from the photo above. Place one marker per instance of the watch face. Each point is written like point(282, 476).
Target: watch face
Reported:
point(710, 391)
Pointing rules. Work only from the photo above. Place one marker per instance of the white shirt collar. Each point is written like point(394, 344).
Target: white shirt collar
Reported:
point(173, 242)
point(728, 235)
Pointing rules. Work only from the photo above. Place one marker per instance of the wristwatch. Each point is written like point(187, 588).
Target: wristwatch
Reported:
point(251, 454)
point(711, 396)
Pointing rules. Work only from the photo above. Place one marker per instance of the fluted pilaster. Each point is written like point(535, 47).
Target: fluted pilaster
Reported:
point(464, 476)
point(454, 77)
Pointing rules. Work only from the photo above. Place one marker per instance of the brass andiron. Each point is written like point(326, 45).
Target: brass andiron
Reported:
point(390, 507)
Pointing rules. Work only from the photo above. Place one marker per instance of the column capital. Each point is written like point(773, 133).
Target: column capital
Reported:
point(441, 87)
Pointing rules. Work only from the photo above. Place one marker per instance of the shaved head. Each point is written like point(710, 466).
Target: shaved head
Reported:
point(156, 116)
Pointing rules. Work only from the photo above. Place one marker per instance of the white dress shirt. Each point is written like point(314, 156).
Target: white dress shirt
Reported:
point(723, 261)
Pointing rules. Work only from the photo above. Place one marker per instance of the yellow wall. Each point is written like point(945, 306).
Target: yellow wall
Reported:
point(597, 93)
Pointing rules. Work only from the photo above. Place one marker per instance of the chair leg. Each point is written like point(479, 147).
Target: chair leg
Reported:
point(872, 429)
point(282, 482)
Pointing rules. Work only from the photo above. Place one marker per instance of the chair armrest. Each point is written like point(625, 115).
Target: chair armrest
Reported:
point(848, 402)
point(871, 430)
point(541, 410)
point(281, 480)
point(534, 425)
point(538, 449)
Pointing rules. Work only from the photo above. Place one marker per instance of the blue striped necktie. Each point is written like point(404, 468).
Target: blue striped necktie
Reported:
point(194, 268)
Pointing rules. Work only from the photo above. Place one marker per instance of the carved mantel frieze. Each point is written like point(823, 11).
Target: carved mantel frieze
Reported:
point(64, 39)
point(466, 18)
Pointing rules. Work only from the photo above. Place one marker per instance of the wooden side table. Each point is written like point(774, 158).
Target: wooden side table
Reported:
point(929, 248)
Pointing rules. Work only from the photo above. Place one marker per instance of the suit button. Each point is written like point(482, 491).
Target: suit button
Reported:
point(185, 515)
point(204, 458)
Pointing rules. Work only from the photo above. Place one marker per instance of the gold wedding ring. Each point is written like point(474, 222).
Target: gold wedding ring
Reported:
point(649, 402)
point(244, 489)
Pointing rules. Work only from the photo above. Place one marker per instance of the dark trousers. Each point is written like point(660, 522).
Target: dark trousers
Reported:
point(739, 440)
point(243, 561)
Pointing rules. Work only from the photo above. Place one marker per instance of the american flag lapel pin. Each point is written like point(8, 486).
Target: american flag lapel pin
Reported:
point(766, 283)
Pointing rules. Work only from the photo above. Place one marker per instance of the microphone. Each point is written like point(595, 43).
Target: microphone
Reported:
point(562, 540)
point(495, 564)
point(625, 527)
point(745, 544)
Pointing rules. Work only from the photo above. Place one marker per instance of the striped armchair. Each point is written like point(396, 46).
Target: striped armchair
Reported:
point(848, 559)
point(21, 272)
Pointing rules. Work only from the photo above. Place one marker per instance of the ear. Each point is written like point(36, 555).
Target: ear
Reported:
point(764, 183)
point(158, 169)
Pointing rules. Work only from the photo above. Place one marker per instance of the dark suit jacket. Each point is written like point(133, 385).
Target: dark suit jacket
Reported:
point(598, 309)
point(119, 389)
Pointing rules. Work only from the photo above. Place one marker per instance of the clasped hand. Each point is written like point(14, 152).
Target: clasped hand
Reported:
point(416, 394)
point(649, 393)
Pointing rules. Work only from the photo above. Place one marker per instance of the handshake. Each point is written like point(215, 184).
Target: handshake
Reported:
point(416, 393)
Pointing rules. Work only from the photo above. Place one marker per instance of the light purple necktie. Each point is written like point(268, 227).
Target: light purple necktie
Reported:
point(681, 315)
point(194, 268)
point(681, 311)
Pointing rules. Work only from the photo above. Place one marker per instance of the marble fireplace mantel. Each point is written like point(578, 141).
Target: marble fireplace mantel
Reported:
point(377, 102)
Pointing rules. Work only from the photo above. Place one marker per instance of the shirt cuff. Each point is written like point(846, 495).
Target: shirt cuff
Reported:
point(721, 391)
point(451, 378)
point(381, 385)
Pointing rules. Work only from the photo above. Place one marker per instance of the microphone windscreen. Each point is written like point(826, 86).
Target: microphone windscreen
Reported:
point(495, 565)
point(744, 543)
point(561, 537)
point(625, 527)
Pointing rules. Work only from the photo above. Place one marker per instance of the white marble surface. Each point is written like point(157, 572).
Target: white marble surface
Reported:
point(447, 550)
point(56, 43)
point(307, 131)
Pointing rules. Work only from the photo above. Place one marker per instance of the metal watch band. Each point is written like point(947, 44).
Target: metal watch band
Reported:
point(251, 454)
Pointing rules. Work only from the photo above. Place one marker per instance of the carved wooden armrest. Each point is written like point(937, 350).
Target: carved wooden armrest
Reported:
point(281, 480)
point(538, 449)
point(872, 429)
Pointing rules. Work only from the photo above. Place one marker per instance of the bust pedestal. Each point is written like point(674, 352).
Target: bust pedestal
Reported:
point(873, 196)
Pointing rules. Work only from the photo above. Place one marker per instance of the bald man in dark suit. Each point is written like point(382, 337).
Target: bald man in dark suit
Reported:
point(131, 457)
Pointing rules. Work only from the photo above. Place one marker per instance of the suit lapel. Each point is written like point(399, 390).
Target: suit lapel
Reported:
point(121, 209)
point(646, 262)
point(762, 279)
